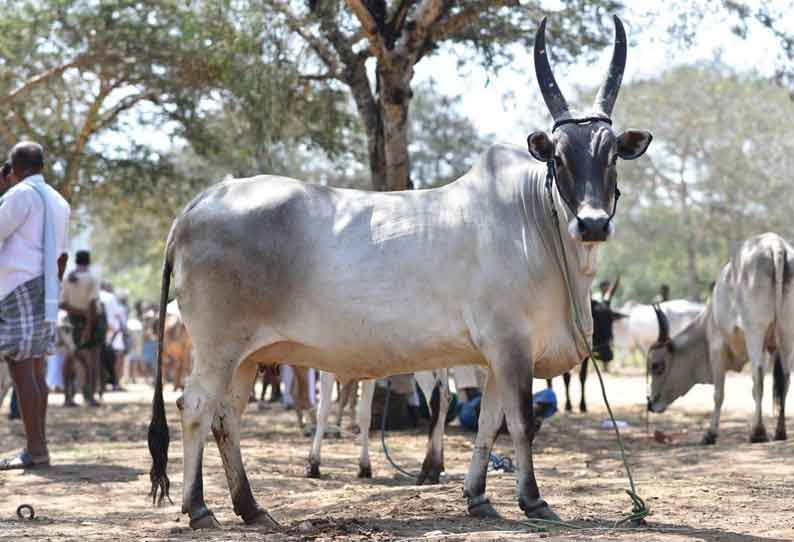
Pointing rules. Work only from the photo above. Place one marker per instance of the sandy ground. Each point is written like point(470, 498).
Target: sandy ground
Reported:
point(97, 486)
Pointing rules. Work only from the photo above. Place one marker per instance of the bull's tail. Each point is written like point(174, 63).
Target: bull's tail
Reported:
point(778, 382)
point(779, 258)
point(159, 437)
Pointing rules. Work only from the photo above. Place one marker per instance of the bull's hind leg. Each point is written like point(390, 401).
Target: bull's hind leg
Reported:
point(323, 410)
point(435, 387)
point(226, 430)
point(781, 378)
point(490, 420)
point(197, 406)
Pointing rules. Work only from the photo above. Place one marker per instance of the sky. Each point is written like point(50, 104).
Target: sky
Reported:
point(509, 106)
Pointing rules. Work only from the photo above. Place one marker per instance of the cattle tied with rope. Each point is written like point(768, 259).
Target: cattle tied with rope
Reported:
point(269, 269)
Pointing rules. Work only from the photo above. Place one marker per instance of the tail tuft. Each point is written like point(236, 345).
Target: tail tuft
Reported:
point(159, 437)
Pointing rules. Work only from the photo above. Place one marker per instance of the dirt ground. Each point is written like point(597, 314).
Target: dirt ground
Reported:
point(97, 486)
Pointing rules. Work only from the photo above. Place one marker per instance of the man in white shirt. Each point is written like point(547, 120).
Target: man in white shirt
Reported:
point(34, 221)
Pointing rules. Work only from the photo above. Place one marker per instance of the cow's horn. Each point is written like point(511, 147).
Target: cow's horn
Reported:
point(608, 93)
point(552, 94)
point(664, 324)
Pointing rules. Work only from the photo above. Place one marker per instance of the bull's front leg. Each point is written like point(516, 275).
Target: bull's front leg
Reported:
point(512, 366)
point(488, 425)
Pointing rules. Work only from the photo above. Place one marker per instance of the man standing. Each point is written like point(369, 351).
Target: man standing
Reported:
point(80, 299)
point(34, 222)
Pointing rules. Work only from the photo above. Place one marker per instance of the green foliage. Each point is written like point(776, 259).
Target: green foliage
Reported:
point(718, 172)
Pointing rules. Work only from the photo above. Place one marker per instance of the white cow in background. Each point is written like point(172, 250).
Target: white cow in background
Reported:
point(433, 465)
point(640, 330)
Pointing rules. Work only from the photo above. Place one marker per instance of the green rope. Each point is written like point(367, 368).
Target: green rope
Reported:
point(640, 509)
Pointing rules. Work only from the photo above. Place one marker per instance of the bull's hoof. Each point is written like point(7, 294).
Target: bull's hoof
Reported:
point(481, 507)
point(364, 471)
point(582, 407)
point(708, 439)
point(780, 434)
point(263, 519)
point(568, 407)
point(759, 435)
point(429, 476)
point(312, 470)
point(204, 520)
point(308, 430)
point(538, 509)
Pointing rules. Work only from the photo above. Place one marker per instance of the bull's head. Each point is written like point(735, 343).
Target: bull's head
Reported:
point(604, 319)
point(670, 375)
point(585, 153)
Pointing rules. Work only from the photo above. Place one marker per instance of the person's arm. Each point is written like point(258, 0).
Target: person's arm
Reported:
point(62, 261)
point(13, 212)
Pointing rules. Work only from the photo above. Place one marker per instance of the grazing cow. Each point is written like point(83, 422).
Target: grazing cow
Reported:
point(640, 329)
point(428, 381)
point(604, 319)
point(747, 318)
point(178, 346)
point(370, 284)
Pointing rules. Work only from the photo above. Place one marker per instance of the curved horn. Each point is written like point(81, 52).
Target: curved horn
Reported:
point(552, 94)
point(608, 93)
point(664, 324)
point(612, 290)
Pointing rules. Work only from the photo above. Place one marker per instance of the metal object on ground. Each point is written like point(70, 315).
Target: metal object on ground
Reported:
point(25, 512)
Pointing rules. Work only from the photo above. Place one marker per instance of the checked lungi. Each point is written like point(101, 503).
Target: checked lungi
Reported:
point(23, 332)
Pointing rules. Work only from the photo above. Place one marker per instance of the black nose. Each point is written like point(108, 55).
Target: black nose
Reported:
point(594, 228)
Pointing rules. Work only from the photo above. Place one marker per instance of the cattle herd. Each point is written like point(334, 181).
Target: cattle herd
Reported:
point(493, 270)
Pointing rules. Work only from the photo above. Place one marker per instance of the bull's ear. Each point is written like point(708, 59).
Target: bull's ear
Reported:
point(618, 315)
point(541, 147)
point(633, 143)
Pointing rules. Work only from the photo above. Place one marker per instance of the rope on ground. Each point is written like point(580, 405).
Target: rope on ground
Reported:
point(639, 509)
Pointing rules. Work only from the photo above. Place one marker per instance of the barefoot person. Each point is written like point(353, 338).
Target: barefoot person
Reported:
point(34, 221)
point(80, 299)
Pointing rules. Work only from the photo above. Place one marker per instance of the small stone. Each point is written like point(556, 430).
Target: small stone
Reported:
point(306, 526)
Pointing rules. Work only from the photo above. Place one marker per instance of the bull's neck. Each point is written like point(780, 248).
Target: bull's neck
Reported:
point(539, 212)
point(693, 344)
point(538, 222)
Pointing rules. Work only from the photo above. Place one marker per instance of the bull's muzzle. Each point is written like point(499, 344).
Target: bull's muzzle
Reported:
point(656, 406)
point(593, 226)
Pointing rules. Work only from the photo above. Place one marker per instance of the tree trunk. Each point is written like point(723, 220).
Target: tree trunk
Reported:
point(394, 96)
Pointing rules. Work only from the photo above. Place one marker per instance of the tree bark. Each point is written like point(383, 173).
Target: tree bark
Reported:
point(394, 98)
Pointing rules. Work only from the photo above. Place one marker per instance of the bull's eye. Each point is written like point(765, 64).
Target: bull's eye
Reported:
point(657, 368)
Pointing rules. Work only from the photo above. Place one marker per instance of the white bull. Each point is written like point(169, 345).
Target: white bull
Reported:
point(366, 285)
point(428, 381)
point(748, 318)
point(640, 329)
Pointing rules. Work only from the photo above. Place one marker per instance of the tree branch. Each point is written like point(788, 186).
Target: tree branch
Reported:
point(125, 104)
point(455, 23)
point(44, 76)
point(298, 25)
point(369, 24)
